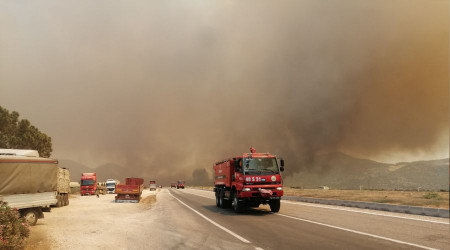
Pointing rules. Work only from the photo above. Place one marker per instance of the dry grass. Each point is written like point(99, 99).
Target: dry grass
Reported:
point(38, 240)
point(411, 198)
point(148, 201)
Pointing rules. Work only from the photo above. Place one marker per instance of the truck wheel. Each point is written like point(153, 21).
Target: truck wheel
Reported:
point(275, 206)
point(30, 216)
point(221, 199)
point(217, 198)
point(58, 201)
point(237, 206)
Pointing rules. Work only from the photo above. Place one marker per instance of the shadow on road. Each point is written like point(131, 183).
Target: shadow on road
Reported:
point(245, 212)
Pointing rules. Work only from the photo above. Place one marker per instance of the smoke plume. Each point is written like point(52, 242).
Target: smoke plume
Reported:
point(164, 88)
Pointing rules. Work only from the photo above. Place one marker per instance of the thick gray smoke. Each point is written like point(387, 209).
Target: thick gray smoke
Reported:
point(168, 87)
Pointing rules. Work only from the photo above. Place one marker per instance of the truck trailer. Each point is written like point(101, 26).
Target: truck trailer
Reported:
point(249, 180)
point(131, 191)
point(180, 184)
point(32, 184)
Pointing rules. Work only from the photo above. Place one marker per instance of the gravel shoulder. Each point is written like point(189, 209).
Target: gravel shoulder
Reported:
point(159, 221)
point(90, 223)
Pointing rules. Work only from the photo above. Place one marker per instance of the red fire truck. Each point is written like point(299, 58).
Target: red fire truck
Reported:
point(249, 181)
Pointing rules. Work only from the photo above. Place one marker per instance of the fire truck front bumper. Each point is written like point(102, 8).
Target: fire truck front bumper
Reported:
point(257, 193)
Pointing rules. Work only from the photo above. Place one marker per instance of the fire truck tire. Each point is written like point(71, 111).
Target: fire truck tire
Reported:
point(275, 206)
point(217, 198)
point(30, 216)
point(221, 199)
point(237, 206)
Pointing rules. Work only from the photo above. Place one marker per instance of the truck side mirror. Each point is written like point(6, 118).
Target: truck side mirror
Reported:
point(281, 162)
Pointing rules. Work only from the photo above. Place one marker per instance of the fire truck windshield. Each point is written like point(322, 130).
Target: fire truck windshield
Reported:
point(261, 166)
point(87, 182)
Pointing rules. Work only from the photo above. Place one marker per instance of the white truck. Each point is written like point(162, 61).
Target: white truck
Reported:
point(111, 186)
point(32, 184)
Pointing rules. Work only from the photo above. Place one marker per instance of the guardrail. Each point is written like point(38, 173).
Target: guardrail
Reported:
point(436, 212)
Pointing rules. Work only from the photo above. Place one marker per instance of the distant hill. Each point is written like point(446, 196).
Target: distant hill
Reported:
point(336, 170)
point(75, 168)
point(342, 171)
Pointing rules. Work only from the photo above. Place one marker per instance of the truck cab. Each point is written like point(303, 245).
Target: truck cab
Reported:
point(152, 185)
point(111, 186)
point(249, 181)
point(88, 184)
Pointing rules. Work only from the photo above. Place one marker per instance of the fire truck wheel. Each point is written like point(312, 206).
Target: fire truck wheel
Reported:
point(30, 216)
point(237, 207)
point(221, 200)
point(217, 198)
point(275, 206)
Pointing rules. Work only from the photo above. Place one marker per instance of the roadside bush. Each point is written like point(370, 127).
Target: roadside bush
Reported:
point(431, 196)
point(13, 230)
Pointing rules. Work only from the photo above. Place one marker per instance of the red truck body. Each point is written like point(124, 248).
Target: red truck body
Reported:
point(249, 181)
point(180, 184)
point(88, 184)
point(131, 191)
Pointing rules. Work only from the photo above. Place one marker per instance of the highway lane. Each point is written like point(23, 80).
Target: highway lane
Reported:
point(305, 226)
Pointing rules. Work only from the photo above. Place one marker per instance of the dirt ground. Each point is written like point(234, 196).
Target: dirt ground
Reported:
point(90, 219)
point(411, 198)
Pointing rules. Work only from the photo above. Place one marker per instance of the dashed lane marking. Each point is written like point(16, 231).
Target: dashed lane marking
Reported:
point(348, 210)
point(358, 232)
point(211, 221)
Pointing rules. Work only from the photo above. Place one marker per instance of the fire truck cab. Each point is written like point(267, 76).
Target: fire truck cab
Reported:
point(249, 181)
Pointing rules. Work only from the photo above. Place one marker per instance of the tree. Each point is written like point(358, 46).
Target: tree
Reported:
point(20, 134)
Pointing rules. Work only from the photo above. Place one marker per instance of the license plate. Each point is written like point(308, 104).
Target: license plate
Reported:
point(274, 198)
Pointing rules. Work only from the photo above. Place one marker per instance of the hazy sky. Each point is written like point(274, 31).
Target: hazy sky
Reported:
point(172, 85)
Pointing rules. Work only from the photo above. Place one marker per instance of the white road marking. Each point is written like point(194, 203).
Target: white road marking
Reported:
point(349, 210)
point(258, 248)
point(211, 221)
point(364, 212)
point(358, 232)
point(200, 195)
point(346, 229)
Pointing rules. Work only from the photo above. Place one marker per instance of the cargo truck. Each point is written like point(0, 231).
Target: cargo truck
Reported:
point(180, 184)
point(32, 184)
point(90, 186)
point(111, 186)
point(249, 180)
point(131, 191)
point(152, 185)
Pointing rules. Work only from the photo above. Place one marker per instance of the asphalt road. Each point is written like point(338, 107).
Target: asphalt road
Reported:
point(308, 226)
point(189, 219)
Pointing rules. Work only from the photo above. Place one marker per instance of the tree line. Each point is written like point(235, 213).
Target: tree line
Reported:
point(20, 134)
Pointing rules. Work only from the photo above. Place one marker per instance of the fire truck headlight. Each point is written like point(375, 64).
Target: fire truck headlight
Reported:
point(279, 188)
point(246, 189)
